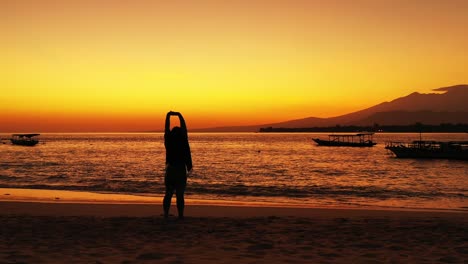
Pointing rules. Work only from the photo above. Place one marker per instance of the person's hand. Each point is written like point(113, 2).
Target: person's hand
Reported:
point(189, 173)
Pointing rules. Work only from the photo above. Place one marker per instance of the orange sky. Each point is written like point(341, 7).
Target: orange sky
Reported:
point(72, 66)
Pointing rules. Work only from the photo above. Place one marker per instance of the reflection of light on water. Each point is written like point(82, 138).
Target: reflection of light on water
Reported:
point(243, 167)
point(12, 194)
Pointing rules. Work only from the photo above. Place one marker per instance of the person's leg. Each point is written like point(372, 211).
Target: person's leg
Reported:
point(167, 202)
point(180, 190)
point(168, 195)
point(180, 202)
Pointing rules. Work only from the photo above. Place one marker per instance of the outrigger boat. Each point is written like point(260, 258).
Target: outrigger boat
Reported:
point(356, 140)
point(430, 149)
point(24, 139)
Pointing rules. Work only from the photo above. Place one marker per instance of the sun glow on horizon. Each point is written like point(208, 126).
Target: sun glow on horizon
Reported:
point(120, 66)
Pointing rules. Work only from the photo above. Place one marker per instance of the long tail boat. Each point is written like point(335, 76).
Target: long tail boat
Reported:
point(346, 140)
point(430, 149)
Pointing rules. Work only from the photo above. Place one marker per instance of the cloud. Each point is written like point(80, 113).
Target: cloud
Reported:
point(452, 88)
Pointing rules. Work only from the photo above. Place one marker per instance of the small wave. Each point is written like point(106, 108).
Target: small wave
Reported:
point(57, 177)
point(235, 190)
point(9, 178)
point(316, 191)
point(334, 173)
point(49, 163)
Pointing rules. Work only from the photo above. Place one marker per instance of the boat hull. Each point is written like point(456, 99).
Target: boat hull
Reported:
point(322, 142)
point(24, 142)
point(402, 152)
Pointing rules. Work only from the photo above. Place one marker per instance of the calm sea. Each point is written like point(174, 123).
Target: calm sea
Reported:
point(284, 167)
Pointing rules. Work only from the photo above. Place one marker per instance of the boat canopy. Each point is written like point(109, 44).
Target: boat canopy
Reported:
point(25, 135)
point(360, 137)
point(365, 134)
point(353, 135)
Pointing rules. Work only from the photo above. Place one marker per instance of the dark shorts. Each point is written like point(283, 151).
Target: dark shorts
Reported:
point(175, 178)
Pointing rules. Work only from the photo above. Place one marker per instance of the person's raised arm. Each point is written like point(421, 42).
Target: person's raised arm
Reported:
point(167, 126)
point(182, 122)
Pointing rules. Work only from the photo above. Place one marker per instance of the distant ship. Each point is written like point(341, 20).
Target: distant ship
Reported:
point(430, 149)
point(24, 139)
point(356, 140)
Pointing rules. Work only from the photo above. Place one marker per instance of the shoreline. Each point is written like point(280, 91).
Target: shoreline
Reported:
point(60, 202)
point(102, 210)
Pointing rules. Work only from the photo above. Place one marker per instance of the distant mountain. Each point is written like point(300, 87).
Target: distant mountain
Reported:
point(434, 108)
point(410, 118)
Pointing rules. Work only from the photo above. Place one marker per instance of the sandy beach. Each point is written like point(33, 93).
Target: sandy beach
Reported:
point(78, 232)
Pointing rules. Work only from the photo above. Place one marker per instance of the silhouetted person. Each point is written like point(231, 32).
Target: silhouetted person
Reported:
point(178, 163)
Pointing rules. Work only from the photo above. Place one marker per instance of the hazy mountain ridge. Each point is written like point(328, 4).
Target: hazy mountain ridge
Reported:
point(411, 117)
point(433, 108)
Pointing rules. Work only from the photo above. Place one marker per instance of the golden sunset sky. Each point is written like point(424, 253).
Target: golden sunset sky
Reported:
point(73, 66)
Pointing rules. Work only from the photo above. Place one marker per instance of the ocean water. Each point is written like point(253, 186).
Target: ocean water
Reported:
point(284, 168)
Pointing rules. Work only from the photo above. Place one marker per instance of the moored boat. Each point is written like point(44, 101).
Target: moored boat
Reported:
point(24, 139)
point(345, 140)
point(430, 149)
